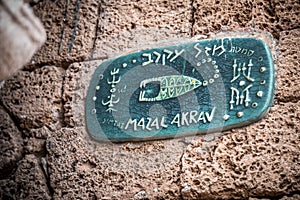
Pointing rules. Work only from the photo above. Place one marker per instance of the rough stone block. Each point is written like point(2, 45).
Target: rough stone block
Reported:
point(76, 84)
point(288, 77)
point(126, 24)
point(81, 168)
point(258, 160)
point(34, 98)
point(275, 16)
point(293, 197)
point(27, 183)
point(30, 180)
point(40, 133)
point(11, 144)
point(34, 146)
point(272, 16)
point(212, 16)
point(70, 27)
point(7, 189)
point(288, 14)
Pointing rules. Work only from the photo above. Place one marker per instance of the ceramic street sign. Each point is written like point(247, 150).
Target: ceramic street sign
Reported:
point(198, 87)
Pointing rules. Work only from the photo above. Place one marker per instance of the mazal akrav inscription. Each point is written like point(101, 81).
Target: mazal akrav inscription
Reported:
point(199, 87)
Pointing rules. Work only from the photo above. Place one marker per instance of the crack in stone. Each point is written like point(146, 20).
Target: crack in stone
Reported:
point(13, 118)
point(11, 171)
point(76, 17)
point(289, 99)
point(179, 183)
point(65, 19)
point(97, 30)
point(62, 119)
point(46, 174)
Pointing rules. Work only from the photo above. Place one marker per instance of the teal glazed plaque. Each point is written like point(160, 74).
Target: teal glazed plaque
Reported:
point(192, 88)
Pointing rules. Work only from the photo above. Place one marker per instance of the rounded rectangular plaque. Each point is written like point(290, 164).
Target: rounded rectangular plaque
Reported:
point(197, 87)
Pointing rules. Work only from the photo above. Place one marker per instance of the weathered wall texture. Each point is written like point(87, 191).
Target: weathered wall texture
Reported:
point(46, 152)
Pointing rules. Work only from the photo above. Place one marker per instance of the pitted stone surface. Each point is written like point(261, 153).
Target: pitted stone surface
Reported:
point(258, 159)
point(28, 182)
point(76, 83)
point(80, 168)
point(288, 66)
point(78, 30)
point(8, 189)
point(31, 180)
point(34, 145)
point(40, 133)
point(272, 16)
point(127, 24)
point(71, 28)
point(289, 197)
point(11, 144)
point(287, 13)
point(293, 197)
point(212, 16)
point(34, 98)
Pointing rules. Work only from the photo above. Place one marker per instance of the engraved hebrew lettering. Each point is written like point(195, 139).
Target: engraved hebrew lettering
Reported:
point(220, 48)
point(239, 98)
point(112, 98)
point(197, 48)
point(246, 71)
point(197, 87)
point(149, 57)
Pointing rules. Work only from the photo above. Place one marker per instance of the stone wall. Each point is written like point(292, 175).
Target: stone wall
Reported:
point(46, 152)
